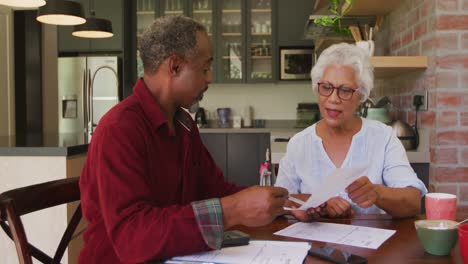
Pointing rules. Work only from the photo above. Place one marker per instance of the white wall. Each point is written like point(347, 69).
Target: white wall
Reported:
point(43, 228)
point(7, 95)
point(276, 101)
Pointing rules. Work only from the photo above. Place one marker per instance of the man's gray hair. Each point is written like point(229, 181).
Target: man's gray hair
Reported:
point(346, 54)
point(168, 35)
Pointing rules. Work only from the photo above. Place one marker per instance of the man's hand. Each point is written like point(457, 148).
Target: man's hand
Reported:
point(363, 192)
point(254, 206)
point(338, 207)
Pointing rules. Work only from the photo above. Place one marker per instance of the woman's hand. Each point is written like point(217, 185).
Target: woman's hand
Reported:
point(363, 192)
point(338, 207)
point(303, 215)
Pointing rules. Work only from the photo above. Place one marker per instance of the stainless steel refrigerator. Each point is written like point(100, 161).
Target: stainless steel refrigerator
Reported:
point(87, 88)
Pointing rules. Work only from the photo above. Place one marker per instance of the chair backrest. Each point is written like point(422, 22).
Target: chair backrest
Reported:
point(21, 201)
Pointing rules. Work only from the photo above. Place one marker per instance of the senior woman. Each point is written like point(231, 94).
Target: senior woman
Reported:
point(343, 77)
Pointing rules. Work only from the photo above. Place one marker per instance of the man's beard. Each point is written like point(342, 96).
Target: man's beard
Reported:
point(195, 105)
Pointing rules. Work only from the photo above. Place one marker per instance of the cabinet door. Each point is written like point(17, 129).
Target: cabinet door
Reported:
point(231, 41)
point(246, 152)
point(217, 146)
point(146, 12)
point(260, 46)
point(203, 11)
point(174, 7)
point(292, 19)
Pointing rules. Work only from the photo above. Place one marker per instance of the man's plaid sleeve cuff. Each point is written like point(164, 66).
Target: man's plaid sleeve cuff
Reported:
point(209, 215)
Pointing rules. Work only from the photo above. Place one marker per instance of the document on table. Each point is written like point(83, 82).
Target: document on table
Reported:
point(358, 236)
point(336, 182)
point(257, 251)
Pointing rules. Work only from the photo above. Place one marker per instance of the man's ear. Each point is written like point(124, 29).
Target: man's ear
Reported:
point(175, 63)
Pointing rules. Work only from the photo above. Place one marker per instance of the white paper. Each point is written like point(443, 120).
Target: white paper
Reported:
point(358, 236)
point(336, 182)
point(258, 251)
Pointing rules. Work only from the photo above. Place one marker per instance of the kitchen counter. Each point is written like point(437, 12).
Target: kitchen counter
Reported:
point(64, 144)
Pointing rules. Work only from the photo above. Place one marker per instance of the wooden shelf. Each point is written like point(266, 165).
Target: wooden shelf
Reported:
point(362, 7)
point(261, 57)
point(261, 10)
point(145, 13)
point(233, 11)
point(173, 12)
point(202, 11)
point(231, 34)
point(260, 34)
point(391, 66)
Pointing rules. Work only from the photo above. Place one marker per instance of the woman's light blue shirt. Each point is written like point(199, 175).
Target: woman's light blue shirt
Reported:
point(306, 164)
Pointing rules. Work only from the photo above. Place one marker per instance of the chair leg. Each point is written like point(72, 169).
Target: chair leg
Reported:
point(32, 250)
point(75, 220)
point(19, 236)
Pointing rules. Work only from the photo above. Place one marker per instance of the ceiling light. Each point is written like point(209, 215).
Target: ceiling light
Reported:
point(61, 12)
point(94, 28)
point(23, 3)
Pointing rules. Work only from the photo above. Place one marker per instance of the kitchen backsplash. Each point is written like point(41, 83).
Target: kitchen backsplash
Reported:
point(276, 101)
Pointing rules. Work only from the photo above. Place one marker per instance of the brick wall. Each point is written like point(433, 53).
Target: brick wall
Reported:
point(437, 29)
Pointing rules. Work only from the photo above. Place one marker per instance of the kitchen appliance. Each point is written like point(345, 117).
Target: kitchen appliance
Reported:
point(408, 136)
point(200, 117)
point(296, 63)
point(306, 114)
point(87, 88)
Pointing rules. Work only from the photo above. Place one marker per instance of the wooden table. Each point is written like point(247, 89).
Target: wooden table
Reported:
point(403, 247)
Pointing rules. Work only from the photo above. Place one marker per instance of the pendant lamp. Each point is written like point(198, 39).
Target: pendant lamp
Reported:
point(61, 12)
point(23, 3)
point(94, 27)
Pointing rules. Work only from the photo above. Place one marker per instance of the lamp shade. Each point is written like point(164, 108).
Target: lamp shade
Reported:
point(94, 28)
point(23, 3)
point(61, 12)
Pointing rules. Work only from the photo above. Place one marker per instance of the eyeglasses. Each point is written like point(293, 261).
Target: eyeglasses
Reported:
point(344, 93)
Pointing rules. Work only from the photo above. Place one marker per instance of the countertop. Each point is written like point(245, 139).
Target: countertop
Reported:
point(63, 144)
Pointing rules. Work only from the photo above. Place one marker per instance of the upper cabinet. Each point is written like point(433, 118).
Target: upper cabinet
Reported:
point(242, 33)
point(108, 9)
point(292, 19)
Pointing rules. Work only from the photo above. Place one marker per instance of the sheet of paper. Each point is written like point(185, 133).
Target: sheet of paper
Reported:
point(258, 251)
point(358, 236)
point(336, 182)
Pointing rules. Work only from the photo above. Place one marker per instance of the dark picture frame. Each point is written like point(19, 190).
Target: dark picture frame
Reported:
point(296, 63)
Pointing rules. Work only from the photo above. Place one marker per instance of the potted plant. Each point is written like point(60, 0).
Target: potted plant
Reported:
point(333, 21)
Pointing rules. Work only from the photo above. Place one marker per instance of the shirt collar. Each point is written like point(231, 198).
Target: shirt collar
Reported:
point(153, 111)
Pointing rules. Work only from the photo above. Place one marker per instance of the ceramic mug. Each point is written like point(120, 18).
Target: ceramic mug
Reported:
point(463, 241)
point(441, 206)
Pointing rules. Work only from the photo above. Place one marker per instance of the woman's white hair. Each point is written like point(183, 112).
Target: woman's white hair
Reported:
point(346, 54)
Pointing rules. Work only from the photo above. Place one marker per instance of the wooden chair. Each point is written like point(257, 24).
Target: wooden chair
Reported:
point(21, 201)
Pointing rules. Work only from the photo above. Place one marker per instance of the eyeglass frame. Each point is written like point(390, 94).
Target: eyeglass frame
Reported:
point(339, 89)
